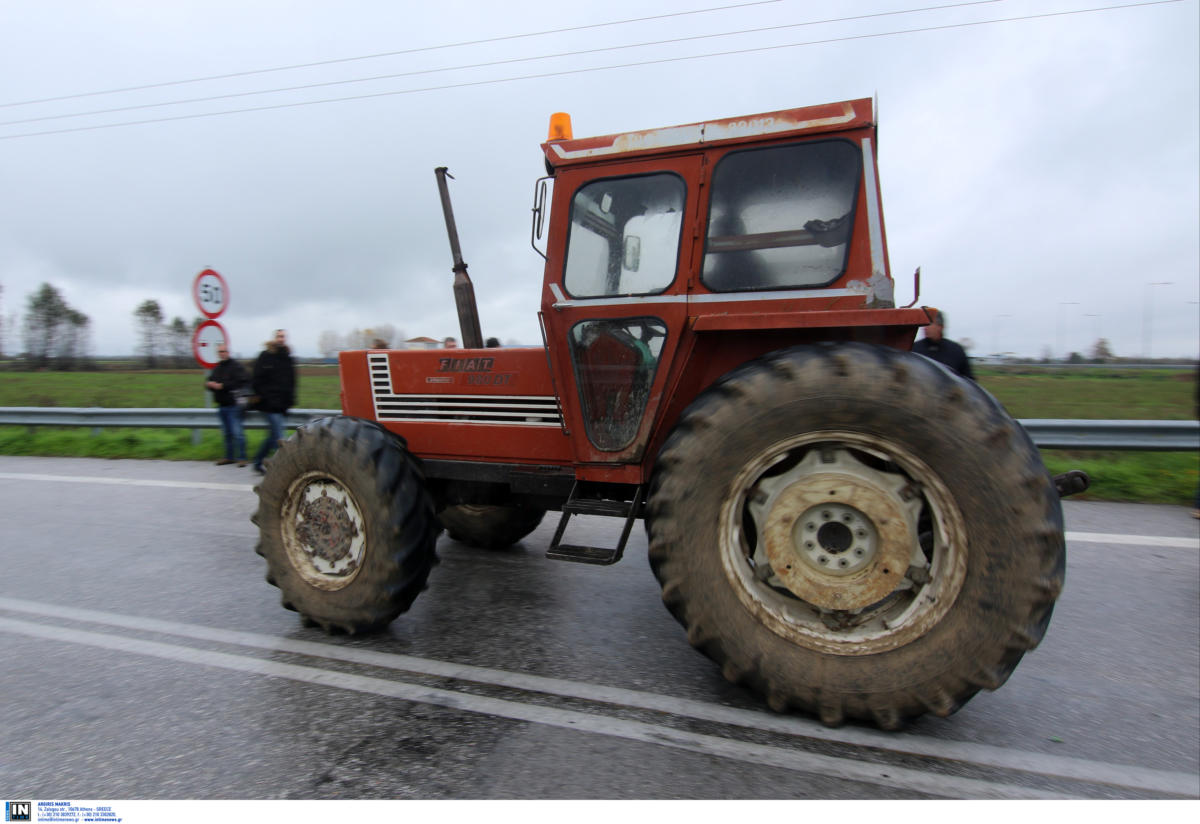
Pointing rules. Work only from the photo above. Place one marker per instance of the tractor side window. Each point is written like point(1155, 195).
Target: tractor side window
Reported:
point(780, 217)
point(615, 362)
point(624, 236)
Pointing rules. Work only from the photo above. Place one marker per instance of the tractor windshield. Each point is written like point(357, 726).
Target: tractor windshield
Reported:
point(624, 236)
point(780, 217)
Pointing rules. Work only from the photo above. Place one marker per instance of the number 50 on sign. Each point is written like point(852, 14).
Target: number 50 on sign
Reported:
point(211, 293)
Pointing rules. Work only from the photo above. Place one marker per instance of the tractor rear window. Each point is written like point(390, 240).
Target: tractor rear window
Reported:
point(624, 236)
point(780, 217)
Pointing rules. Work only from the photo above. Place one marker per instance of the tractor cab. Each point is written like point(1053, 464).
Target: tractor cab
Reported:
point(675, 253)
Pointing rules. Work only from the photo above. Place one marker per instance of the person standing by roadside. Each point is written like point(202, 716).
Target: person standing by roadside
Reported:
point(275, 388)
point(936, 346)
point(228, 382)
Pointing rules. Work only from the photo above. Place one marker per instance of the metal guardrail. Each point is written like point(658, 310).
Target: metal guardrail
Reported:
point(102, 417)
point(1151, 436)
point(1158, 436)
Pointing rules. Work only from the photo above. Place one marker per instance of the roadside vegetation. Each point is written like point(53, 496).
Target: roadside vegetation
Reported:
point(1098, 393)
point(112, 387)
point(1026, 391)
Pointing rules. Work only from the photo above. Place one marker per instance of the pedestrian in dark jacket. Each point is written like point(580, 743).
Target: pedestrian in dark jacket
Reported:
point(936, 346)
point(228, 382)
point(275, 390)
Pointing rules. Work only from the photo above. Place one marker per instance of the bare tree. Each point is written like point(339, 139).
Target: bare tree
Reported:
point(45, 315)
point(383, 334)
point(329, 343)
point(55, 334)
point(356, 339)
point(1101, 351)
point(72, 345)
point(149, 317)
point(179, 341)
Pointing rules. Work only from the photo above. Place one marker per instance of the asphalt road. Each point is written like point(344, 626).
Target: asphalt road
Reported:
point(145, 657)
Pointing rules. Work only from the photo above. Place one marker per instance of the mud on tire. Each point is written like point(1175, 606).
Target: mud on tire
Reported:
point(345, 524)
point(489, 526)
point(857, 532)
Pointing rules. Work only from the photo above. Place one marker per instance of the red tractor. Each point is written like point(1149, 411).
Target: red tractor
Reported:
point(843, 526)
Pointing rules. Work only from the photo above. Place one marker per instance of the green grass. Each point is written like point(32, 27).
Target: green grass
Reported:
point(1027, 392)
point(1097, 394)
point(148, 444)
point(159, 389)
point(1143, 477)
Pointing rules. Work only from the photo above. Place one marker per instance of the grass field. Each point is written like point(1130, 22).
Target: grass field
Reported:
point(1026, 392)
point(1104, 394)
point(157, 389)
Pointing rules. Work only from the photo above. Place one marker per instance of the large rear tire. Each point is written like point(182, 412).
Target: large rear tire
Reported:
point(489, 526)
point(346, 525)
point(857, 532)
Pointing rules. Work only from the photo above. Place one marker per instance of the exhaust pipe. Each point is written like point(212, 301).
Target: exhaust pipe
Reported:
point(464, 291)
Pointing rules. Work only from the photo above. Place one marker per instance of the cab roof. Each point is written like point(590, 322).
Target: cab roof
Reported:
point(808, 120)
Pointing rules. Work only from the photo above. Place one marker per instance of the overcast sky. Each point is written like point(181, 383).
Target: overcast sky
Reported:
point(1042, 172)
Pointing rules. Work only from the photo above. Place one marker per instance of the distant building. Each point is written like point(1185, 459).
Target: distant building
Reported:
point(422, 343)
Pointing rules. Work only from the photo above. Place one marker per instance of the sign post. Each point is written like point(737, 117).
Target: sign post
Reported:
point(211, 294)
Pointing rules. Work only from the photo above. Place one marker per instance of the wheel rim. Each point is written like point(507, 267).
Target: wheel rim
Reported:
point(843, 542)
point(323, 531)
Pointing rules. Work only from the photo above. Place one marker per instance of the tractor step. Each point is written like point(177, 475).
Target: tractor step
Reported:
point(586, 506)
point(600, 555)
point(577, 505)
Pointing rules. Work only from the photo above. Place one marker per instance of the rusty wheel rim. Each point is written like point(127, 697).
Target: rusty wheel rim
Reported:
point(843, 542)
point(323, 531)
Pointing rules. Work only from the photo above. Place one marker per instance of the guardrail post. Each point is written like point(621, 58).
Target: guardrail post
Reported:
point(196, 435)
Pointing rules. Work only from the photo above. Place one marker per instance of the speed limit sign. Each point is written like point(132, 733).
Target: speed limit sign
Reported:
point(211, 293)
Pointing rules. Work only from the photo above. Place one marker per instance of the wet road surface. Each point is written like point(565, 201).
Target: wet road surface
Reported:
point(146, 657)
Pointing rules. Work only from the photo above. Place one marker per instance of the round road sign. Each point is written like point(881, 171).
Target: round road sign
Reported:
point(211, 293)
point(206, 340)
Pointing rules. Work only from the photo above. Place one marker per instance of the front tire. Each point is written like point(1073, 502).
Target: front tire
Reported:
point(854, 531)
point(346, 525)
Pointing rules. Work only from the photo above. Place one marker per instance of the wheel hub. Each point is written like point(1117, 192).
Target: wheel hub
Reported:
point(835, 532)
point(323, 531)
point(326, 529)
point(835, 539)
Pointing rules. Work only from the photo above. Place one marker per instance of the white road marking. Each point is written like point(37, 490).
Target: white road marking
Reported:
point(1079, 537)
point(985, 755)
point(842, 768)
point(94, 479)
point(1133, 540)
